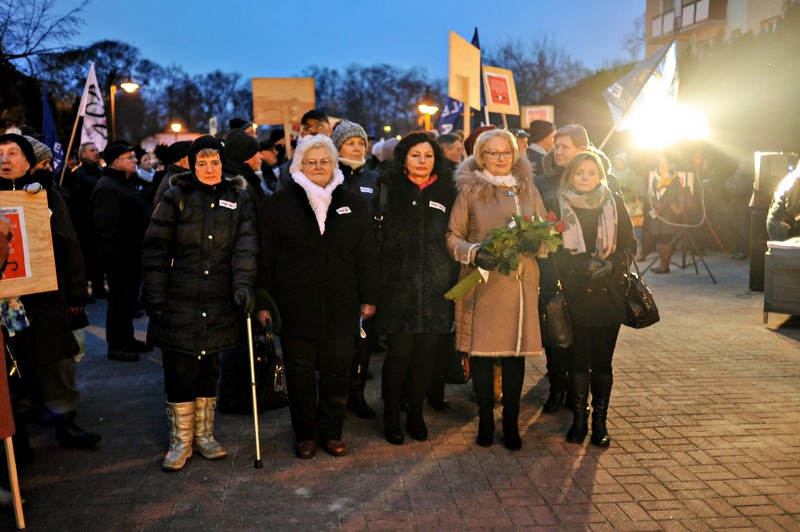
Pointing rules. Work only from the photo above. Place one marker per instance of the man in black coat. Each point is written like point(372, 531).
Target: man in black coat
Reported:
point(120, 220)
point(80, 184)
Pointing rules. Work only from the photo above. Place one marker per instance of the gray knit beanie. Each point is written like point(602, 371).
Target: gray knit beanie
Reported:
point(345, 130)
point(40, 150)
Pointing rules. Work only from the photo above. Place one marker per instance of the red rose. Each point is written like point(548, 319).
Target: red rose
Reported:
point(561, 226)
point(527, 218)
point(551, 217)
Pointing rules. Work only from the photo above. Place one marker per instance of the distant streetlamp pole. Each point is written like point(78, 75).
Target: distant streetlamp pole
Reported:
point(176, 128)
point(128, 86)
point(428, 108)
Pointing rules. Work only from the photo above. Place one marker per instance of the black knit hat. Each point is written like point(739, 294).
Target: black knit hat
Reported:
point(176, 151)
point(239, 123)
point(540, 129)
point(115, 149)
point(202, 143)
point(239, 146)
point(314, 114)
point(24, 145)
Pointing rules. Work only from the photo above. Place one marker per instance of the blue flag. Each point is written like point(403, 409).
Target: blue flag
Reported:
point(453, 109)
point(50, 133)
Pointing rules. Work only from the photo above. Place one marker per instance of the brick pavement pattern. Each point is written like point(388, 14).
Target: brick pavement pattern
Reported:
point(705, 421)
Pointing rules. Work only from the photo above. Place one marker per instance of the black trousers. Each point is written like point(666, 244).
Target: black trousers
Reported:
point(557, 368)
point(593, 349)
point(316, 418)
point(408, 367)
point(187, 377)
point(123, 295)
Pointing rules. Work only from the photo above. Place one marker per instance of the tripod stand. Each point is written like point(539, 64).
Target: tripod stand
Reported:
point(684, 237)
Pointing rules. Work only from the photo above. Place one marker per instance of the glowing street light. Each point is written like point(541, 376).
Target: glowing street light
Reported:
point(176, 128)
point(128, 86)
point(428, 108)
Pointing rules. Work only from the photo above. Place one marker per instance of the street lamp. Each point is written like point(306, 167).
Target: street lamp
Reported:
point(176, 128)
point(128, 86)
point(428, 108)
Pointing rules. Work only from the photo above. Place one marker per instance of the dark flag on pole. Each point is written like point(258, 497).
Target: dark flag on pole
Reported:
point(50, 133)
point(451, 113)
point(652, 83)
point(476, 42)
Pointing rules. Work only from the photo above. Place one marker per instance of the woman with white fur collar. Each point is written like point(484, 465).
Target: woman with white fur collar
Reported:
point(317, 259)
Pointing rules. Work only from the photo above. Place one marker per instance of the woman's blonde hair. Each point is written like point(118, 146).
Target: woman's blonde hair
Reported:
point(570, 169)
point(484, 137)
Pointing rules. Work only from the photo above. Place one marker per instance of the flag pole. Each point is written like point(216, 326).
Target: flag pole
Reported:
point(69, 149)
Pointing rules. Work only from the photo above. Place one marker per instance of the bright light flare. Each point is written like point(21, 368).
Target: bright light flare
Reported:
point(666, 125)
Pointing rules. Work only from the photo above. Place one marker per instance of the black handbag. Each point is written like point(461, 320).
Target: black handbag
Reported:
point(554, 320)
point(641, 307)
point(270, 380)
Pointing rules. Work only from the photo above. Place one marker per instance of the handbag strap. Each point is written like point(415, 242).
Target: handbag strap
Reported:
point(558, 277)
point(632, 260)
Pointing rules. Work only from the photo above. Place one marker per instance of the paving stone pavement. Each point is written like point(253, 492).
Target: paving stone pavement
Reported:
point(705, 421)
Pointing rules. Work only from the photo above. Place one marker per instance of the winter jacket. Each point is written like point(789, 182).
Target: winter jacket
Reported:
point(200, 247)
point(597, 302)
point(49, 338)
point(318, 282)
point(120, 219)
point(80, 184)
point(499, 317)
point(416, 267)
point(257, 194)
point(361, 180)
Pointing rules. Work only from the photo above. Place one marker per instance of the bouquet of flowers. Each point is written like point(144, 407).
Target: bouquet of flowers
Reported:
point(523, 235)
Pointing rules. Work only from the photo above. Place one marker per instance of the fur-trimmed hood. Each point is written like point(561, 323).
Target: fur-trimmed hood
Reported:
point(188, 181)
point(469, 182)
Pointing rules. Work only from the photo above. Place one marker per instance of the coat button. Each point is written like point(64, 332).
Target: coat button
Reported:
point(205, 272)
point(588, 290)
point(202, 352)
point(203, 314)
point(211, 237)
point(414, 203)
point(212, 205)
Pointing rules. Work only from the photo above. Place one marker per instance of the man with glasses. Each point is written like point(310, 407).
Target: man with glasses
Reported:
point(314, 122)
point(120, 219)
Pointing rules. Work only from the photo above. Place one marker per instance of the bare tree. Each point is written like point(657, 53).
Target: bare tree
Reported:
point(30, 27)
point(540, 69)
point(634, 40)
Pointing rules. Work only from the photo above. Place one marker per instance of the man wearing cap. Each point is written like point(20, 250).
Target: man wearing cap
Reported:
point(46, 347)
point(269, 165)
point(80, 184)
point(314, 122)
point(541, 140)
point(120, 220)
point(244, 125)
point(176, 157)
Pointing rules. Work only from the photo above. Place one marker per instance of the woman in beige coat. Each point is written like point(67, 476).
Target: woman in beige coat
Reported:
point(499, 319)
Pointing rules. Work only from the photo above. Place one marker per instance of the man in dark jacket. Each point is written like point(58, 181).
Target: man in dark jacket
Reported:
point(46, 347)
point(176, 157)
point(120, 220)
point(541, 140)
point(80, 184)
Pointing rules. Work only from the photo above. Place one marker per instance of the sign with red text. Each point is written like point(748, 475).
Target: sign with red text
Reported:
point(501, 94)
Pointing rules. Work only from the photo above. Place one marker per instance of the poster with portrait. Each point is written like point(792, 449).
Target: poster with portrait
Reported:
point(537, 112)
point(501, 94)
point(31, 264)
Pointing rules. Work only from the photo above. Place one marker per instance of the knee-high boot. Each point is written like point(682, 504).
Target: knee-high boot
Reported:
point(204, 441)
point(180, 419)
point(513, 377)
point(358, 381)
point(601, 393)
point(415, 422)
point(579, 392)
point(483, 386)
point(557, 375)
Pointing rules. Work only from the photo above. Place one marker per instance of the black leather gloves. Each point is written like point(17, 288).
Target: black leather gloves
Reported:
point(485, 260)
point(243, 297)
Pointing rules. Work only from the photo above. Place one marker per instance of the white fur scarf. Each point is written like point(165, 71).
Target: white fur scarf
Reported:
point(318, 197)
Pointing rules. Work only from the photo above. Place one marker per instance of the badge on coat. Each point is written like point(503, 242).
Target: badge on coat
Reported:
point(227, 204)
point(343, 210)
point(435, 205)
point(366, 190)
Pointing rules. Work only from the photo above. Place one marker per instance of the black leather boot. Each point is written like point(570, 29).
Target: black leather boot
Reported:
point(513, 377)
point(415, 423)
point(485, 428)
point(483, 386)
point(557, 376)
point(601, 393)
point(391, 424)
point(579, 391)
point(69, 434)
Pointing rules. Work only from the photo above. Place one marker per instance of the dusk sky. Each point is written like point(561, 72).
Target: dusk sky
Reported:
point(269, 38)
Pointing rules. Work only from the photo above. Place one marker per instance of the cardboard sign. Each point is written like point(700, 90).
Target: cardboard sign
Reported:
point(465, 72)
point(537, 112)
point(31, 266)
point(277, 101)
point(501, 94)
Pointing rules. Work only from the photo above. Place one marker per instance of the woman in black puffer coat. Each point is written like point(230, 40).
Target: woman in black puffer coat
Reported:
point(416, 271)
point(199, 266)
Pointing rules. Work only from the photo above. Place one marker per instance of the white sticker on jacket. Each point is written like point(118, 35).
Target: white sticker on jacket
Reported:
point(435, 205)
point(366, 190)
point(227, 204)
point(343, 210)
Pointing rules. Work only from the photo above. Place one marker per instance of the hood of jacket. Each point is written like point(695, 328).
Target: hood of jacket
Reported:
point(469, 182)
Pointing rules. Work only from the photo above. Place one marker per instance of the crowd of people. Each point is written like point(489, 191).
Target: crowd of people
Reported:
point(345, 248)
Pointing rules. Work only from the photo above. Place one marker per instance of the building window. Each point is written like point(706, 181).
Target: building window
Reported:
point(769, 25)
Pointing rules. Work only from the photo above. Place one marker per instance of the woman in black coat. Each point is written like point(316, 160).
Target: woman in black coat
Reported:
point(592, 264)
point(416, 271)
point(317, 260)
point(199, 265)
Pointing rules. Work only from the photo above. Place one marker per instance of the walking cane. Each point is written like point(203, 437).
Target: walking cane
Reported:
point(257, 464)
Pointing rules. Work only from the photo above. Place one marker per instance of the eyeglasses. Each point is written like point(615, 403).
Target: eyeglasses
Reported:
point(319, 126)
point(313, 163)
point(132, 158)
point(495, 155)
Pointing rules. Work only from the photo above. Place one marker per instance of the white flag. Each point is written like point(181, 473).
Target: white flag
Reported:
point(94, 113)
